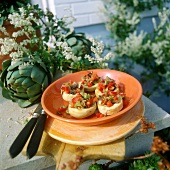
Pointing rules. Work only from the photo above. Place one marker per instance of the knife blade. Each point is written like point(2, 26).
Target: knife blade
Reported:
point(23, 136)
point(36, 136)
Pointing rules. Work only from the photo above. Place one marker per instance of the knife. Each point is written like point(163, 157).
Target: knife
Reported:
point(23, 136)
point(36, 135)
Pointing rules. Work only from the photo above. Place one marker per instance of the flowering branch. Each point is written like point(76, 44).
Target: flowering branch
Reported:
point(88, 61)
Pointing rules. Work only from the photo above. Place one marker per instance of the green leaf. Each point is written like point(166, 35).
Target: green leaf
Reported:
point(3, 75)
point(12, 67)
point(19, 80)
point(37, 74)
point(20, 89)
point(20, 95)
point(34, 90)
point(45, 83)
point(15, 75)
point(35, 98)
point(23, 103)
point(6, 64)
point(6, 93)
point(26, 71)
point(72, 41)
point(27, 82)
point(95, 166)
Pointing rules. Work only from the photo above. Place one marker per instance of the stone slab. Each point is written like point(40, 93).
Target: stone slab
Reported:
point(12, 119)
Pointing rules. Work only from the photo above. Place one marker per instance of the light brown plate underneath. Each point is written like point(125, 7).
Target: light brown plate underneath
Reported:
point(95, 135)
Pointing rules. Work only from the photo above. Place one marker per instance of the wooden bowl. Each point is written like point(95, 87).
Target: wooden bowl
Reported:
point(51, 99)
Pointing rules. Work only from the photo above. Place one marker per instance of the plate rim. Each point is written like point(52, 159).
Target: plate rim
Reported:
point(92, 121)
point(104, 141)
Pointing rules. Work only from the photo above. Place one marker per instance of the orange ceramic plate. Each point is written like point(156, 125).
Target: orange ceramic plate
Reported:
point(52, 99)
point(95, 135)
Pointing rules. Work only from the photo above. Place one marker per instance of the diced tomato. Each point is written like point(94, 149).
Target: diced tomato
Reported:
point(90, 84)
point(109, 103)
point(62, 109)
point(89, 102)
point(112, 93)
point(66, 89)
point(95, 77)
point(76, 99)
point(83, 82)
point(98, 115)
point(116, 98)
point(101, 87)
point(110, 85)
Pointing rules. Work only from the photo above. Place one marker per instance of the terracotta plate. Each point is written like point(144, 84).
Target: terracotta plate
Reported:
point(95, 135)
point(52, 99)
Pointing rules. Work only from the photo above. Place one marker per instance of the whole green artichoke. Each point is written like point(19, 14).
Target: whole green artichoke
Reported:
point(79, 44)
point(24, 81)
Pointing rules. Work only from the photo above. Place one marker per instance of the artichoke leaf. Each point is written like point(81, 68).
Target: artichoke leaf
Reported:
point(34, 90)
point(26, 71)
point(14, 66)
point(43, 65)
point(80, 43)
point(45, 83)
point(19, 80)
point(8, 75)
point(15, 75)
point(20, 90)
point(76, 50)
point(6, 93)
point(25, 103)
point(3, 77)
point(13, 87)
point(37, 74)
point(72, 41)
point(80, 34)
point(27, 82)
point(6, 64)
point(35, 98)
point(22, 95)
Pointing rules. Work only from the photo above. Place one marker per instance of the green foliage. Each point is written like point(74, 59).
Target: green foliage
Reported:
point(149, 50)
point(9, 6)
point(58, 47)
point(122, 22)
point(140, 6)
point(58, 30)
point(95, 167)
point(150, 163)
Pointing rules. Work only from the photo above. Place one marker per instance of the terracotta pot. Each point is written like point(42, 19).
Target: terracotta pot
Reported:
point(10, 29)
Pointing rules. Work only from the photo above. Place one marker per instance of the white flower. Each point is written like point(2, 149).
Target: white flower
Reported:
point(164, 17)
point(135, 2)
point(3, 29)
point(154, 23)
point(157, 49)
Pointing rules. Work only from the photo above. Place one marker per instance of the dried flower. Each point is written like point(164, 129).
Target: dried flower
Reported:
point(145, 126)
point(159, 146)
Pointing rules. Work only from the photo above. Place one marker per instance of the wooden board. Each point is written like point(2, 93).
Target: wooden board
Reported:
point(67, 155)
